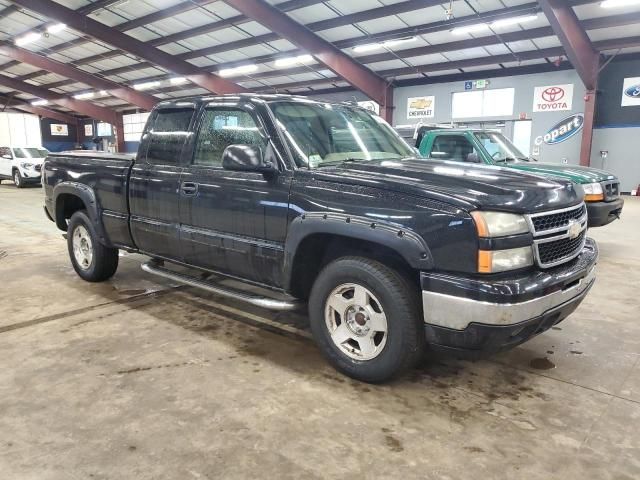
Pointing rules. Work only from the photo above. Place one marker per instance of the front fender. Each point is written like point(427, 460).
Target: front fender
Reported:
point(409, 245)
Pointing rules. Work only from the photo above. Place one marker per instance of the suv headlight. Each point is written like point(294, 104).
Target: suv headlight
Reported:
point(500, 224)
point(593, 192)
point(26, 166)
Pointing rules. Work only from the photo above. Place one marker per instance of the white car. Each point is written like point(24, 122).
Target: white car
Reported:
point(22, 164)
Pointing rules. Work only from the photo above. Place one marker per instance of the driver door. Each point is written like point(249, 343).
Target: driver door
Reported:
point(233, 222)
point(6, 160)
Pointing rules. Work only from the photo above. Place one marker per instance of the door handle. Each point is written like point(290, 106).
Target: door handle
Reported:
point(189, 188)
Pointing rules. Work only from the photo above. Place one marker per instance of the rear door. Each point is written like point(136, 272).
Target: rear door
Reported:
point(233, 222)
point(155, 182)
point(5, 163)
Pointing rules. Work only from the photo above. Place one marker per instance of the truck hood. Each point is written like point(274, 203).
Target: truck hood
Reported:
point(464, 185)
point(574, 173)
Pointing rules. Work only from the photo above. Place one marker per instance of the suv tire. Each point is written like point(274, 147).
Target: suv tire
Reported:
point(365, 317)
point(91, 260)
point(17, 179)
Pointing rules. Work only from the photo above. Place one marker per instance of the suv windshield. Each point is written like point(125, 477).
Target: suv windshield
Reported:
point(325, 134)
point(500, 148)
point(30, 152)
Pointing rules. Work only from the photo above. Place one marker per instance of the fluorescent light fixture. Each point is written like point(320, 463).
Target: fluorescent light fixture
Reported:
point(505, 22)
point(478, 27)
point(56, 28)
point(84, 96)
point(103, 93)
point(28, 38)
point(243, 69)
point(386, 44)
point(146, 85)
point(619, 3)
point(288, 61)
point(177, 80)
point(38, 103)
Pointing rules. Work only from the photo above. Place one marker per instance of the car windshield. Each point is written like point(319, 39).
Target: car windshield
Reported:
point(322, 134)
point(23, 152)
point(500, 148)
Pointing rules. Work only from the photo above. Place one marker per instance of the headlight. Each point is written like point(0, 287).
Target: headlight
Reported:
point(593, 192)
point(26, 166)
point(494, 261)
point(498, 224)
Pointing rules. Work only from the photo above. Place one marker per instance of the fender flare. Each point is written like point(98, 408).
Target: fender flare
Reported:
point(88, 197)
point(405, 242)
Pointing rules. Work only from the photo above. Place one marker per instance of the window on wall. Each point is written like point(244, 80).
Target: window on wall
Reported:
point(134, 125)
point(483, 103)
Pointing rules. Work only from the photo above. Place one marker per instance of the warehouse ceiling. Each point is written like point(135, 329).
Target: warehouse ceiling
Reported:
point(408, 41)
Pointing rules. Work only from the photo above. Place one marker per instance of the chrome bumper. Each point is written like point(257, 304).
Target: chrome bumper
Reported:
point(458, 312)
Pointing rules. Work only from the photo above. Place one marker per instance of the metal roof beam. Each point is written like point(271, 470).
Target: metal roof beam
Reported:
point(130, 95)
point(42, 112)
point(577, 44)
point(88, 26)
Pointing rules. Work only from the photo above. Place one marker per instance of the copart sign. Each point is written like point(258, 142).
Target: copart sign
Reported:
point(553, 98)
point(561, 131)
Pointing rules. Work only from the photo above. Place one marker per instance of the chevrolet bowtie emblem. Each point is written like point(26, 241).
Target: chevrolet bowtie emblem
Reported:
point(575, 229)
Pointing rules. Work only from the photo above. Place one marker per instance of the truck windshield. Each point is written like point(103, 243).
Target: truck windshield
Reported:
point(30, 152)
point(500, 148)
point(325, 134)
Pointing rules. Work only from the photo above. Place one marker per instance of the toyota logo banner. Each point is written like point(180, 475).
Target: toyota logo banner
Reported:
point(553, 98)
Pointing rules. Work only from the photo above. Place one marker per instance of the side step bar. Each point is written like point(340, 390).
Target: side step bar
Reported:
point(259, 301)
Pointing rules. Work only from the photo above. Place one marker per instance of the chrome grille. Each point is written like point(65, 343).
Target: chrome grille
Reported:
point(559, 235)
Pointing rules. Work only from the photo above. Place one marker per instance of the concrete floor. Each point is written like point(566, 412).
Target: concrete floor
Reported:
point(138, 378)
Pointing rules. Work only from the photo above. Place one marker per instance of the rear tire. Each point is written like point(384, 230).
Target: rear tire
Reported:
point(17, 179)
point(365, 317)
point(91, 260)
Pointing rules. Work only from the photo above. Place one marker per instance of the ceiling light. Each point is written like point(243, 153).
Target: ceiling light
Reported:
point(478, 27)
point(103, 93)
point(229, 72)
point(288, 61)
point(178, 81)
point(37, 103)
point(28, 38)
point(57, 28)
point(505, 22)
point(83, 96)
point(146, 85)
point(619, 3)
point(386, 44)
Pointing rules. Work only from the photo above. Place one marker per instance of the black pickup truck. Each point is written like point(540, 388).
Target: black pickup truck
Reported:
point(323, 203)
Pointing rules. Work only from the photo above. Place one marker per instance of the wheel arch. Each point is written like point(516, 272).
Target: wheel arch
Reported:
point(316, 239)
point(70, 197)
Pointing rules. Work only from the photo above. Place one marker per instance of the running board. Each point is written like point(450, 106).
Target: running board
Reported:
point(256, 300)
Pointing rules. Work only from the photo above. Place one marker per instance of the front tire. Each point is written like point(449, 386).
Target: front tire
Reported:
point(17, 179)
point(91, 260)
point(365, 318)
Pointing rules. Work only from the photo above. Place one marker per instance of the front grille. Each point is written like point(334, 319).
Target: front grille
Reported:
point(611, 190)
point(556, 251)
point(553, 221)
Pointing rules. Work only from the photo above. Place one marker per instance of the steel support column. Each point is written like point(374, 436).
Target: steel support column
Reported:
point(356, 74)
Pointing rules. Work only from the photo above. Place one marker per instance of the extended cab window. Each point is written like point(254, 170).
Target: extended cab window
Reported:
point(167, 135)
point(221, 128)
point(452, 147)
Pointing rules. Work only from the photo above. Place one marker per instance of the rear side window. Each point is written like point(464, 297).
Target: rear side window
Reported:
point(5, 151)
point(451, 147)
point(221, 128)
point(167, 135)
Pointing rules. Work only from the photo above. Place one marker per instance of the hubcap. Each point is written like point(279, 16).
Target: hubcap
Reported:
point(82, 247)
point(16, 178)
point(356, 321)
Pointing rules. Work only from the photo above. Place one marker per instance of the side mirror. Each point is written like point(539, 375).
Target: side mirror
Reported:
point(245, 158)
point(473, 158)
point(7, 156)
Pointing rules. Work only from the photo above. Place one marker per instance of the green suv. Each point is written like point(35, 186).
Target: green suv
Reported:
point(602, 190)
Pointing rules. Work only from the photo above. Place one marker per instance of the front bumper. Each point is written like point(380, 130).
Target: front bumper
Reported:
point(477, 315)
point(603, 213)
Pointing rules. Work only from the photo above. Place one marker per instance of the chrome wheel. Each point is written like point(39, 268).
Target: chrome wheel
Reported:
point(82, 247)
point(16, 178)
point(356, 321)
